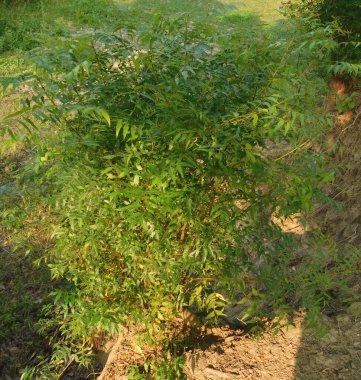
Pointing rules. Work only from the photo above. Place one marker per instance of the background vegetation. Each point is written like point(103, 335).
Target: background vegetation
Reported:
point(343, 15)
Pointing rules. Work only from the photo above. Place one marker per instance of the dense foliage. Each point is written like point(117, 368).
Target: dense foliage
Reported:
point(158, 172)
point(347, 13)
point(345, 16)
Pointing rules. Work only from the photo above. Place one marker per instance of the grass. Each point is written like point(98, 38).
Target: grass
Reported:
point(267, 10)
point(32, 24)
point(220, 13)
point(23, 290)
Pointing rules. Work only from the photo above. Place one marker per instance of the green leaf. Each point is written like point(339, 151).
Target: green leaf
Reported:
point(118, 127)
point(136, 180)
point(105, 115)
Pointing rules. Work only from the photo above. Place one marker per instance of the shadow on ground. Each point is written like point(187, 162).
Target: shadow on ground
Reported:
point(23, 291)
point(335, 356)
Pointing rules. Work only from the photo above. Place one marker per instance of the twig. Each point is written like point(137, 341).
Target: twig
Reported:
point(65, 367)
point(183, 231)
point(93, 373)
point(45, 92)
point(293, 150)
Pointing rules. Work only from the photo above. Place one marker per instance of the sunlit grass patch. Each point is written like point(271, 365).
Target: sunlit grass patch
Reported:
point(216, 12)
point(267, 10)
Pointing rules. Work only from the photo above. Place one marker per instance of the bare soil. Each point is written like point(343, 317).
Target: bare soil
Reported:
point(293, 354)
point(296, 353)
point(344, 223)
